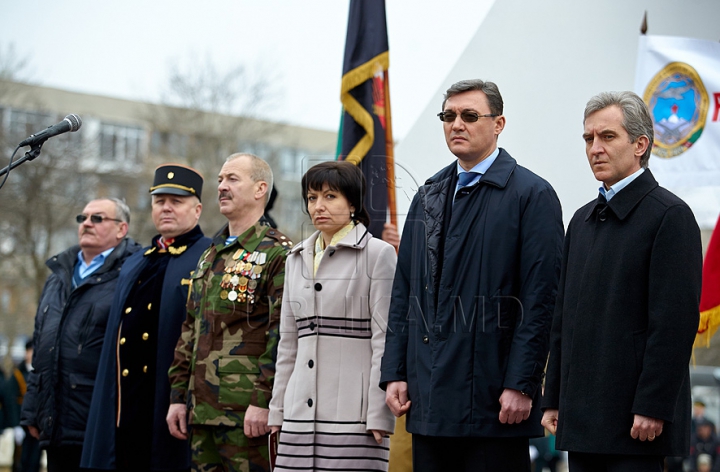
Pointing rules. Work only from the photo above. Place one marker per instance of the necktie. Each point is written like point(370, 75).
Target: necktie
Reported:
point(465, 178)
point(601, 207)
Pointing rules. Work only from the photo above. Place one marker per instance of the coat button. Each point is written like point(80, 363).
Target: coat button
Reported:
point(426, 339)
point(318, 287)
point(312, 326)
point(310, 402)
point(125, 373)
point(145, 336)
point(149, 306)
point(122, 341)
point(145, 369)
point(311, 364)
point(128, 310)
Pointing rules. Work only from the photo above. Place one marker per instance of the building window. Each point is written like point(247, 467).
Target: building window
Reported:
point(121, 143)
point(289, 160)
point(173, 144)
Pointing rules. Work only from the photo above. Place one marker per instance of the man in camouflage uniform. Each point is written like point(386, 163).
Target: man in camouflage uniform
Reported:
point(225, 358)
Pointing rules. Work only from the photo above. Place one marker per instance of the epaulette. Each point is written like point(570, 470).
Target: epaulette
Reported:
point(284, 241)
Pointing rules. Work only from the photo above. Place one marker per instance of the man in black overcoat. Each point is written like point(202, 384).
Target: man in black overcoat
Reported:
point(126, 426)
point(617, 391)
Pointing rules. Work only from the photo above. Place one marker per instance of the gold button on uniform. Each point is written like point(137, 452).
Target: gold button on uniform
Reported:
point(149, 306)
point(126, 373)
point(122, 341)
point(145, 336)
point(128, 310)
point(145, 369)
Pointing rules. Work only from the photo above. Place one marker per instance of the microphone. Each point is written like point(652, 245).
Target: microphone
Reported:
point(70, 123)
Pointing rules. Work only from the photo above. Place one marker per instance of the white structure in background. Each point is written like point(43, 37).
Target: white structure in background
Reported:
point(548, 58)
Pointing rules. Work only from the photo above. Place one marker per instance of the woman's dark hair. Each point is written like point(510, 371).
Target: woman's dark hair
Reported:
point(340, 176)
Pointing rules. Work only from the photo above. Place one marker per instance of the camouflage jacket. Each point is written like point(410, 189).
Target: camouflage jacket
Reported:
point(225, 357)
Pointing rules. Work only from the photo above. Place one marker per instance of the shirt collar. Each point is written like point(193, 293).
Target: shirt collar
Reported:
point(614, 189)
point(97, 261)
point(482, 166)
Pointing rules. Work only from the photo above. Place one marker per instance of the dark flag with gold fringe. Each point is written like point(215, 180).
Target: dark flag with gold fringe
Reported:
point(365, 136)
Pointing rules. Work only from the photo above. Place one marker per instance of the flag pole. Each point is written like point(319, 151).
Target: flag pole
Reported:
point(389, 153)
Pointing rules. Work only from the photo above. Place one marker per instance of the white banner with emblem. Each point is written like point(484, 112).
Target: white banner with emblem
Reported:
point(679, 79)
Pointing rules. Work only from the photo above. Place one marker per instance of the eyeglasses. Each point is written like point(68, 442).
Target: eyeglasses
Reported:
point(467, 116)
point(94, 219)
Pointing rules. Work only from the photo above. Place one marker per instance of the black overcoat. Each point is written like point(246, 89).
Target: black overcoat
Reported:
point(169, 453)
point(624, 323)
point(472, 300)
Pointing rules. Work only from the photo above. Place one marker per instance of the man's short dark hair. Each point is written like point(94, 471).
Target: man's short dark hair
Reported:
point(637, 120)
point(490, 90)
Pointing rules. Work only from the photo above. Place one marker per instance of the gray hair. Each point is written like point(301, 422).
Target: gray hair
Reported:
point(490, 89)
point(122, 211)
point(260, 170)
point(637, 120)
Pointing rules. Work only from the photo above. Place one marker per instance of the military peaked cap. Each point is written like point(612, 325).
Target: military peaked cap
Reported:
point(175, 179)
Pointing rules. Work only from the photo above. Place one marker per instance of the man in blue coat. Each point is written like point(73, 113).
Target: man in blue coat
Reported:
point(127, 428)
point(618, 386)
point(473, 297)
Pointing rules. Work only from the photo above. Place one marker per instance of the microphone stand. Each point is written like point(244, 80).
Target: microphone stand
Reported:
point(29, 156)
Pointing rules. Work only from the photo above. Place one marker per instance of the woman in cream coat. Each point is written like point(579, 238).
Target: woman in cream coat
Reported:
point(332, 334)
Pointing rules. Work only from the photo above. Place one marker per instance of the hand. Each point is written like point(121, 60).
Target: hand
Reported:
point(256, 421)
point(274, 429)
point(550, 420)
point(34, 432)
point(390, 235)
point(177, 420)
point(645, 427)
point(514, 406)
point(19, 433)
point(396, 398)
point(379, 435)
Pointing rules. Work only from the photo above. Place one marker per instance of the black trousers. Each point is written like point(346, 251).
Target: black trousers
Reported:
point(583, 462)
point(64, 458)
point(440, 454)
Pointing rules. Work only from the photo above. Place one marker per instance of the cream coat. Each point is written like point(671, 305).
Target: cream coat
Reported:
point(333, 336)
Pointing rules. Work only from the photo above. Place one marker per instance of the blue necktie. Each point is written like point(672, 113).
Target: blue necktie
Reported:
point(465, 178)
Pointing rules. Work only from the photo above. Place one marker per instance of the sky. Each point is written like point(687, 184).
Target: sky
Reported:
point(125, 49)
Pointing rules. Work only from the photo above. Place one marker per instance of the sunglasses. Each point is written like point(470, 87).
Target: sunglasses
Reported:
point(467, 116)
point(94, 219)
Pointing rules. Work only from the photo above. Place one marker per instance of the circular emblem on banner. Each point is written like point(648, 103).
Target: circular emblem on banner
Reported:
point(678, 104)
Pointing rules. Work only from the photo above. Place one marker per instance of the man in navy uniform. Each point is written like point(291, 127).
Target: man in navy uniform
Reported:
point(127, 428)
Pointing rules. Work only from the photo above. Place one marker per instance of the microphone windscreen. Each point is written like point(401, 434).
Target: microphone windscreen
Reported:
point(75, 122)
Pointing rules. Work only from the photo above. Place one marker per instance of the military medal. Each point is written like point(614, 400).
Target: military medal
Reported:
point(232, 296)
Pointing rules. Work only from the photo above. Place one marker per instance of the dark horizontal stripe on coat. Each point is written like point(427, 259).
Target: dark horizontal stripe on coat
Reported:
point(320, 332)
point(324, 422)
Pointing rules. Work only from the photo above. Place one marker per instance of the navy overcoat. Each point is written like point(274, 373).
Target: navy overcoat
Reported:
point(472, 300)
point(168, 453)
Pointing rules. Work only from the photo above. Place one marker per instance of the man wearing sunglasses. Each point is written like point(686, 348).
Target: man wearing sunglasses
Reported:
point(127, 428)
point(473, 296)
point(69, 330)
